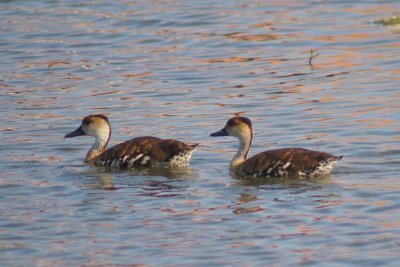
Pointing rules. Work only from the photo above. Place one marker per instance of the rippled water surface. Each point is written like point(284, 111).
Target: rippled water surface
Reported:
point(312, 74)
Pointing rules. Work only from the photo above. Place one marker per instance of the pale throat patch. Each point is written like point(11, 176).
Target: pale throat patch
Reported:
point(244, 136)
point(102, 136)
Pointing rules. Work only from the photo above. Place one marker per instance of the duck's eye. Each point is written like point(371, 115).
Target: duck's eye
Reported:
point(86, 122)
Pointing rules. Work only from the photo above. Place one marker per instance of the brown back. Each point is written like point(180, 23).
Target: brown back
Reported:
point(300, 160)
point(156, 148)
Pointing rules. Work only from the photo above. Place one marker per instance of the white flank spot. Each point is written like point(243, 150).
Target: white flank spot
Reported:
point(145, 160)
point(286, 165)
point(131, 161)
point(125, 158)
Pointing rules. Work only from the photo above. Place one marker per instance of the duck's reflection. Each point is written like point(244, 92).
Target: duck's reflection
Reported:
point(105, 181)
point(175, 173)
point(113, 179)
point(286, 182)
point(249, 202)
point(242, 205)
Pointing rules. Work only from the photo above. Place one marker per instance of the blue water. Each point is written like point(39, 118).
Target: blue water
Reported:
point(180, 69)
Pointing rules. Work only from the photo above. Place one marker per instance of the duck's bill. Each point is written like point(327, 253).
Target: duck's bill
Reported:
point(221, 132)
point(77, 132)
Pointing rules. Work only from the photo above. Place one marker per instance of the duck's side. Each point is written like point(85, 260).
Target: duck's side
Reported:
point(288, 162)
point(141, 151)
point(147, 151)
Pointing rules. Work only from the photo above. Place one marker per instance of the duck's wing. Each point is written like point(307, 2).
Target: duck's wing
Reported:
point(167, 148)
point(131, 152)
point(140, 151)
point(284, 162)
point(172, 152)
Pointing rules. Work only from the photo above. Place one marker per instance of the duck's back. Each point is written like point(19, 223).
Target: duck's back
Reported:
point(288, 162)
point(146, 151)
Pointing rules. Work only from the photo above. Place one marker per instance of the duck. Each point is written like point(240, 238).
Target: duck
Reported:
point(281, 162)
point(146, 151)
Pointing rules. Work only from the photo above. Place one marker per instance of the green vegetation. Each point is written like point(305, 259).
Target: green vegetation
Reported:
point(388, 21)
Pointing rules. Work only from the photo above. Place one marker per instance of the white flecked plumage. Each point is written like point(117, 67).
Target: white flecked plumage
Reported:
point(141, 151)
point(282, 162)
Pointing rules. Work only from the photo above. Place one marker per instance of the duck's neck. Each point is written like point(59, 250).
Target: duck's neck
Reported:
point(244, 147)
point(99, 145)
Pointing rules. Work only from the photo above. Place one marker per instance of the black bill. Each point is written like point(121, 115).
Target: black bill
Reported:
point(77, 132)
point(222, 132)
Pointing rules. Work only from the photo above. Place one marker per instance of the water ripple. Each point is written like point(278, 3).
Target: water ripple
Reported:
point(311, 74)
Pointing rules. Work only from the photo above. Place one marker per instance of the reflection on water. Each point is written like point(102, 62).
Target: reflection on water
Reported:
point(286, 182)
point(104, 178)
point(177, 70)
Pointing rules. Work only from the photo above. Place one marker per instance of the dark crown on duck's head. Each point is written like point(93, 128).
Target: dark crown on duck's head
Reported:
point(232, 124)
point(91, 118)
point(90, 124)
point(239, 120)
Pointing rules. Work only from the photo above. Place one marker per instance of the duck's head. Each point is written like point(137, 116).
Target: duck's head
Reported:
point(93, 125)
point(239, 127)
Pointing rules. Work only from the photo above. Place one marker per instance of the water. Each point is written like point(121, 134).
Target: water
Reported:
point(180, 69)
